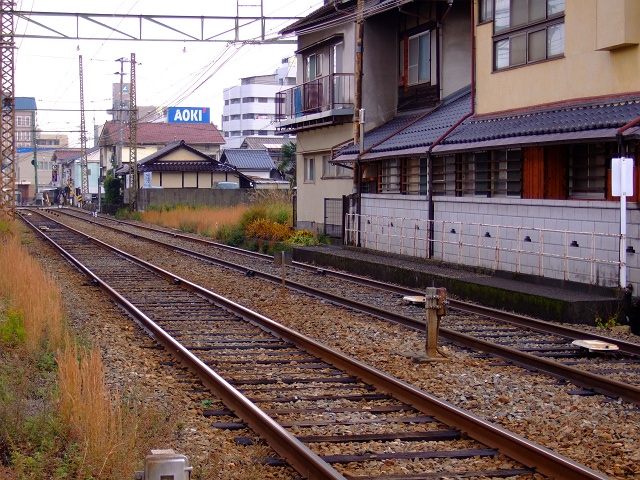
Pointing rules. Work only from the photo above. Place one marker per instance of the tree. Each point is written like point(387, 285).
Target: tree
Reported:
point(113, 190)
point(287, 164)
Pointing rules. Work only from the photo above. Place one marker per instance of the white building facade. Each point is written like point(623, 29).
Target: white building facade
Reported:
point(249, 108)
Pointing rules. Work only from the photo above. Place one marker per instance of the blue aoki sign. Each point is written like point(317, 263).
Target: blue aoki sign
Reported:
point(188, 115)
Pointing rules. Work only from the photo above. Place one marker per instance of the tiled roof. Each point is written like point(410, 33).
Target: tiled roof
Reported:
point(164, 133)
point(266, 142)
point(154, 162)
point(411, 133)
point(25, 103)
point(185, 166)
point(332, 14)
point(74, 156)
point(65, 153)
point(602, 116)
point(245, 159)
point(592, 120)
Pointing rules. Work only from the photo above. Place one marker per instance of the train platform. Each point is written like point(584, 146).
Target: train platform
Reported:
point(543, 298)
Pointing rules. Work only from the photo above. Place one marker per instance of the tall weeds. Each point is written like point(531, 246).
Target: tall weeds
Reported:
point(72, 428)
point(30, 292)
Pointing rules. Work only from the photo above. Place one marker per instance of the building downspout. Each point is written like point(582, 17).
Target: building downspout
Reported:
point(357, 110)
point(452, 128)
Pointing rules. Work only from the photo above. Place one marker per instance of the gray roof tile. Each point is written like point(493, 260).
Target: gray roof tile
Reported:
point(248, 159)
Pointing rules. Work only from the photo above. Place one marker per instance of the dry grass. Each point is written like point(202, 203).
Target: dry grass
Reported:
point(76, 428)
point(200, 220)
point(30, 292)
point(111, 437)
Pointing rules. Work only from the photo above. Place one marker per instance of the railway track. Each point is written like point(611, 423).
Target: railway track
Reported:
point(312, 398)
point(523, 341)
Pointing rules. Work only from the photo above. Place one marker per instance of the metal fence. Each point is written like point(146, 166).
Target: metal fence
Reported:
point(333, 217)
point(586, 257)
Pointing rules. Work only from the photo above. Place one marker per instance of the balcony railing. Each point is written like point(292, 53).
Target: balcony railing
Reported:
point(332, 94)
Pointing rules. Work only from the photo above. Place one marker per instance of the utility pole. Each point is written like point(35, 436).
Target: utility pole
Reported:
point(8, 119)
point(122, 61)
point(358, 122)
point(83, 142)
point(35, 150)
point(133, 141)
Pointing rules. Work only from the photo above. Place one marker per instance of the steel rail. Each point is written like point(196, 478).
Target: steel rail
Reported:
point(300, 457)
point(597, 383)
point(514, 318)
point(295, 452)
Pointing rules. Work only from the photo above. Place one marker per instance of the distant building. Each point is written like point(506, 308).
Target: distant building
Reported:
point(272, 143)
point(25, 113)
point(152, 137)
point(121, 104)
point(51, 141)
point(249, 108)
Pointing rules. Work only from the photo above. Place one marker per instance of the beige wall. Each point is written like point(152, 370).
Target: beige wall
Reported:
point(311, 195)
point(205, 179)
point(583, 72)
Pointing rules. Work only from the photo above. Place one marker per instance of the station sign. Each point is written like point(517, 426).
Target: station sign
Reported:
point(188, 115)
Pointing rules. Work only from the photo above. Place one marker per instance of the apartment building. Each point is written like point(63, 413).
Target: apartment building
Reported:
point(498, 133)
point(249, 108)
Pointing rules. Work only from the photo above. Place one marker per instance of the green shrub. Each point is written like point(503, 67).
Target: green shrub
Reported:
point(303, 237)
point(12, 331)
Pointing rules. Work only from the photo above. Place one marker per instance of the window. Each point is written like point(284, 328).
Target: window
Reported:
point(419, 60)
point(588, 170)
point(263, 100)
point(235, 117)
point(444, 175)
point(309, 169)
point(495, 173)
point(27, 121)
point(248, 100)
point(414, 176)
point(235, 101)
point(390, 176)
point(485, 11)
point(331, 169)
point(527, 31)
point(313, 67)
point(19, 121)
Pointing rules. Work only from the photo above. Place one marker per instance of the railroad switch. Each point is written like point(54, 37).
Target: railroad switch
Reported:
point(435, 302)
point(164, 465)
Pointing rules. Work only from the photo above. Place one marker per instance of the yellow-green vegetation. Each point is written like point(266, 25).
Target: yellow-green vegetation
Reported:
point(606, 324)
point(264, 225)
point(58, 419)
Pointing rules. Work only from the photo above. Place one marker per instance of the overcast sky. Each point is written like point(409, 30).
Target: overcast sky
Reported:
point(177, 73)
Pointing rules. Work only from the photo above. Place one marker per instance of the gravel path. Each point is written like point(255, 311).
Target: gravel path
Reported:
point(604, 435)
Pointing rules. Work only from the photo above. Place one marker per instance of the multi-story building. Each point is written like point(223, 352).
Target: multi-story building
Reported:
point(51, 141)
point(249, 108)
point(25, 115)
point(500, 134)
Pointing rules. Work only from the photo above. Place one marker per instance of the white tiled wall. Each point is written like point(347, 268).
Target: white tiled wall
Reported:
point(399, 224)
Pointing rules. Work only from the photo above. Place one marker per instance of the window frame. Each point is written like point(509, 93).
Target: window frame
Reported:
point(506, 39)
point(309, 170)
point(333, 170)
point(486, 173)
point(485, 11)
point(405, 64)
point(587, 165)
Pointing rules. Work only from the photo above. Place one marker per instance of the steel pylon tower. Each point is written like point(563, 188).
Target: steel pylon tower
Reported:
point(7, 122)
point(133, 137)
point(83, 141)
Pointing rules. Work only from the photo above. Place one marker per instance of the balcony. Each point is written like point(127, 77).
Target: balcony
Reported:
point(324, 101)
